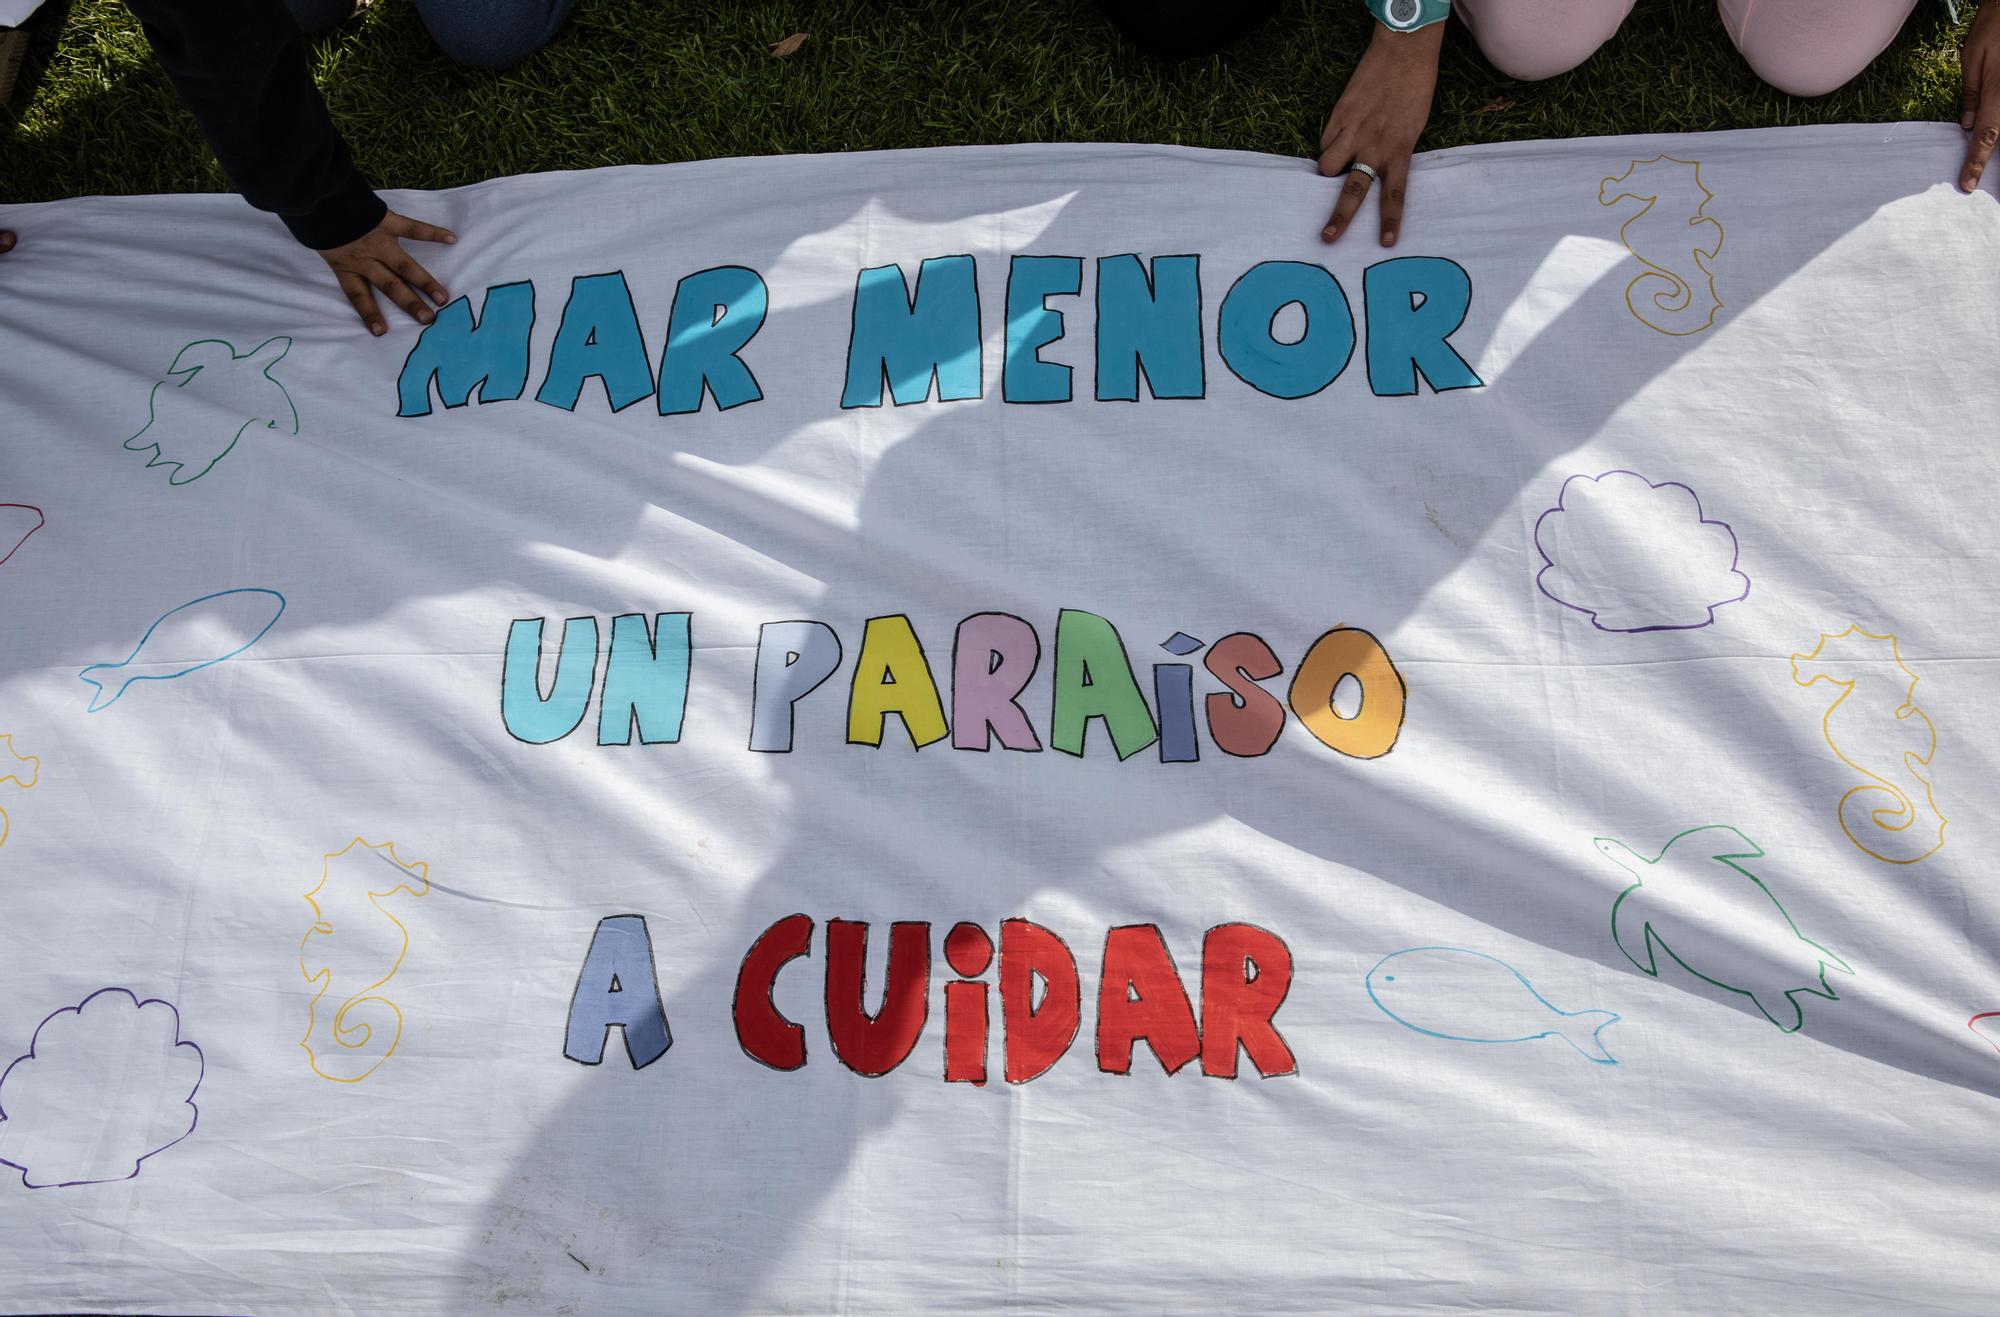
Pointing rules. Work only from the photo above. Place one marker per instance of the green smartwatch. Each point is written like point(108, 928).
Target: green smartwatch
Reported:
point(1409, 15)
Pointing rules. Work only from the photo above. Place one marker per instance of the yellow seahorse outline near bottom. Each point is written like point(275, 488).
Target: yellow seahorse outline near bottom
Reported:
point(1911, 759)
point(34, 775)
point(1701, 256)
point(324, 979)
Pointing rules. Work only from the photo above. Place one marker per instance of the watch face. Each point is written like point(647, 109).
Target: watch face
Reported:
point(1403, 13)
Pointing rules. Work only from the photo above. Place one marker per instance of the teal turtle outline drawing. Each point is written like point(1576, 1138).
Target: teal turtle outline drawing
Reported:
point(187, 371)
point(1650, 941)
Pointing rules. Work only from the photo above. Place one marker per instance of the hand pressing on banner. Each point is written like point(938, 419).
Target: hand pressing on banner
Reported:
point(376, 261)
point(240, 69)
point(1979, 106)
point(6, 241)
point(1374, 127)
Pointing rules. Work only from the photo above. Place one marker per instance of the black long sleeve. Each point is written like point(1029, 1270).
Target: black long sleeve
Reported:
point(240, 68)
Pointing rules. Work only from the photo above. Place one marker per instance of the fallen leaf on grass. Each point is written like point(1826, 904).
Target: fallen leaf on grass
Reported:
point(789, 46)
point(1494, 107)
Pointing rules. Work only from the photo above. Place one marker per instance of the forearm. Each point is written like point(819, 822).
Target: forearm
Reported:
point(240, 68)
point(1421, 48)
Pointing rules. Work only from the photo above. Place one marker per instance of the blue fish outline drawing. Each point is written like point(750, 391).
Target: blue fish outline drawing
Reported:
point(1611, 1017)
point(97, 701)
point(187, 374)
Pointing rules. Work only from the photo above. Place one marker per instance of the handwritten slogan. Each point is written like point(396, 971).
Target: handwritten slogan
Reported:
point(916, 341)
point(836, 731)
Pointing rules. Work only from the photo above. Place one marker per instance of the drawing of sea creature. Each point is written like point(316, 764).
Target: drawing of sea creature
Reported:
point(1674, 237)
point(17, 522)
point(104, 1086)
point(1471, 997)
point(1875, 727)
point(1717, 920)
point(16, 770)
point(1637, 556)
point(198, 634)
point(354, 947)
point(211, 396)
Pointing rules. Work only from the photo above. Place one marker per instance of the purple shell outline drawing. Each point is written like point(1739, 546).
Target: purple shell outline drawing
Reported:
point(1550, 564)
point(33, 1055)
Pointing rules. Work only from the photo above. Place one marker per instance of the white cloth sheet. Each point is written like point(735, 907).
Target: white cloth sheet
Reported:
point(1654, 630)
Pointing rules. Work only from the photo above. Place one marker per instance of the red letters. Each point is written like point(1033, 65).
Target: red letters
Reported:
point(1140, 996)
point(876, 1044)
point(1036, 1036)
point(1245, 973)
point(968, 951)
point(766, 1035)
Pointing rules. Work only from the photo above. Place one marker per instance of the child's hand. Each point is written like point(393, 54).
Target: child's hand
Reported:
point(1980, 105)
point(1376, 122)
point(376, 259)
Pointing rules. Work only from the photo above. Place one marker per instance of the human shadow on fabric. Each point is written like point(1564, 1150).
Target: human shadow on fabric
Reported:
point(688, 1171)
point(1362, 523)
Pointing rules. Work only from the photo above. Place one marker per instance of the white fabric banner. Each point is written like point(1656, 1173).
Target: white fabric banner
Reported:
point(1450, 778)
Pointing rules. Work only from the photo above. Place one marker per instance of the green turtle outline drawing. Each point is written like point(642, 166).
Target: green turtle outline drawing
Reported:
point(1792, 954)
point(189, 363)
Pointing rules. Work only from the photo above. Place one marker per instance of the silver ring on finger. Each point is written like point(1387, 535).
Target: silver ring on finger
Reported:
point(1367, 171)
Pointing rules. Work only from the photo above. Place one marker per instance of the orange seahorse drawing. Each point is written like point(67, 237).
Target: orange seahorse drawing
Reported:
point(1674, 237)
point(352, 928)
point(1876, 728)
point(15, 774)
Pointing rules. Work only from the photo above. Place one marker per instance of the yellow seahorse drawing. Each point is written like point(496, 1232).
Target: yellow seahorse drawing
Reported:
point(1875, 721)
point(1674, 238)
point(16, 775)
point(351, 927)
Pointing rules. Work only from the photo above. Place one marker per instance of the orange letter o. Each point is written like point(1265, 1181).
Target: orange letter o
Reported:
point(1342, 652)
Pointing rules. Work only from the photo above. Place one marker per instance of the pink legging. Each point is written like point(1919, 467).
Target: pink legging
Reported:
point(1802, 47)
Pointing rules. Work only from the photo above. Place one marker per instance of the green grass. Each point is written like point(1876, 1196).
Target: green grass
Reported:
point(632, 81)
